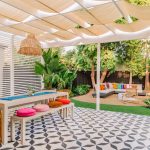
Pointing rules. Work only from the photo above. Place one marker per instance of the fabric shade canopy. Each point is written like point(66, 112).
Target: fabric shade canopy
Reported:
point(72, 22)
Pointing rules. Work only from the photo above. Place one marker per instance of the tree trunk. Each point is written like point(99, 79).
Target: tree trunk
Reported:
point(130, 79)
point(147, 67)
point(147, 78)
point(104, 73)
point(93, 76)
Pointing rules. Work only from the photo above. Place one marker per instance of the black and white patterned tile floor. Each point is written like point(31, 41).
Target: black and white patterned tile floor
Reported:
point(89, 130)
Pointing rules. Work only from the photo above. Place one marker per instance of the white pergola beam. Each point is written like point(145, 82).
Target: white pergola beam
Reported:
point(98, 79)
point(127, 17)
point(84, 8)
point(12, 66)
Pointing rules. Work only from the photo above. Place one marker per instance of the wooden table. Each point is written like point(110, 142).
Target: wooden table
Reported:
point(5, 105)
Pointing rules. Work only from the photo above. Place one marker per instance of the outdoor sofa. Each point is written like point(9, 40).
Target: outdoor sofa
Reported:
point(107, 89)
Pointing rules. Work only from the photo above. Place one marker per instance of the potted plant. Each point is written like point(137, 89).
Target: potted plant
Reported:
point(30, 90)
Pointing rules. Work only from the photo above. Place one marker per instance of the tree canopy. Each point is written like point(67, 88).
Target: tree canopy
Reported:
point(129, 54)
point(125, 53)
point(140, 2)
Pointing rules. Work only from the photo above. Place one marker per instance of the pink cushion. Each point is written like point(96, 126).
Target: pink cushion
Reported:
point(25, 112)
point(128, 86)
point(41, 107)
point(64, 101)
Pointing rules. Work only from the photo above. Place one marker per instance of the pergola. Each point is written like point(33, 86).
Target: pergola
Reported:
point(72, 22)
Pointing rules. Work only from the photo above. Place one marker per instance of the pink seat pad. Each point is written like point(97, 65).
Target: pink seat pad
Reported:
point(25, 112)
point(41, 107)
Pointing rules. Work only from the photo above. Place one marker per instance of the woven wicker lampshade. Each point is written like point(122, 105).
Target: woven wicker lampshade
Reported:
point(30, 46)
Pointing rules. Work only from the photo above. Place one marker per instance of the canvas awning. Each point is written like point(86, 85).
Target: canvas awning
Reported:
point(72, 22)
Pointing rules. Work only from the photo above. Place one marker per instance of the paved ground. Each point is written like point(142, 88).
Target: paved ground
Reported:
point(113, 100)
point(89, 130)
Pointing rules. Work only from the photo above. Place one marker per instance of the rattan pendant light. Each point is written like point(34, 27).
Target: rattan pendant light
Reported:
point(30, 46)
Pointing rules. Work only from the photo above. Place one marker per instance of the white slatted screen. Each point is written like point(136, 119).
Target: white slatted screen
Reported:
point(1, 67)
point(24, 75)
point(16, 71)
point(5, 66)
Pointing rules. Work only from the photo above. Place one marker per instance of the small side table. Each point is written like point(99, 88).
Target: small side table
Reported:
point(120, 96)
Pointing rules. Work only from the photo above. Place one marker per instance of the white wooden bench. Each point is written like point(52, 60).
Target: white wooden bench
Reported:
point(65, 111)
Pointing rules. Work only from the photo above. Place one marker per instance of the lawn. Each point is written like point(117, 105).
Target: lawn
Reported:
point(140, 110)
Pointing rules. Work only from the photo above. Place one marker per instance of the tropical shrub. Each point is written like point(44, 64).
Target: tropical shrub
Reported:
point(54, 73)
point(68, 77)
point(140, 2)
point(147, 102)
point(81, 89)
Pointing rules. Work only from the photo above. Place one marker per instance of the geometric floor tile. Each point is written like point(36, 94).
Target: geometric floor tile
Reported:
point(88, 130)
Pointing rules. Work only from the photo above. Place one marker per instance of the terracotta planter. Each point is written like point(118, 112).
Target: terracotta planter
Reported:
point(64, 90)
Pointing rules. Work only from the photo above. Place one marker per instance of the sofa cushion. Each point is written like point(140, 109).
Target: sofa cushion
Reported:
point(110, 86)
point(115, 85)
point(134, 86)
point(128, 86)
point(119, 91)
point(107, 85)
point(106, 91)
point(119, 86)
point(124, 86)
point(102, 87)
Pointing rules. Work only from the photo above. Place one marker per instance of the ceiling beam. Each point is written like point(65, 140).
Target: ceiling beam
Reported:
point(127, 17)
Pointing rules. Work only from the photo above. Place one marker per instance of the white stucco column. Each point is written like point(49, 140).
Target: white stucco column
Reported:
point(98, 78)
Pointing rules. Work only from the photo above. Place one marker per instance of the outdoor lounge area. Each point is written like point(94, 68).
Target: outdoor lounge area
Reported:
point(74, 75)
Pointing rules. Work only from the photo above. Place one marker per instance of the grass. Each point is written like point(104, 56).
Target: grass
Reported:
point(140, 110)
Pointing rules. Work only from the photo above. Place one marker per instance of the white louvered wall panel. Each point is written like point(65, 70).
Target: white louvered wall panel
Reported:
point(24, 75)
point(5, 39)
point(16, 71)
point(1, 68)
